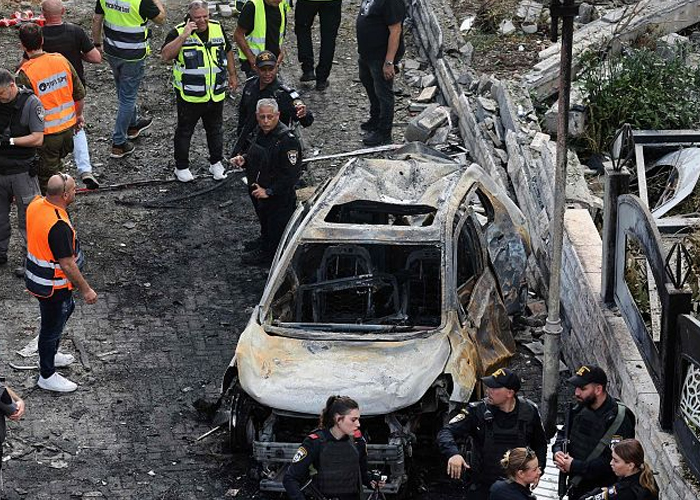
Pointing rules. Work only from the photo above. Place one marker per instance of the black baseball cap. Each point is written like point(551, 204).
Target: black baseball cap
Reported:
point(589, 374)
point(503, 377)
point(266, 58)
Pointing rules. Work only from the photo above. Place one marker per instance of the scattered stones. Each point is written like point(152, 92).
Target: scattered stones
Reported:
point(428, 81)
point(587, 13)
point(411, 64)
point(528, 28)
point(416, 107)
point(539, 141)
point(428, 94)
point(225, 10)
point(506, 27)
point(423, 126)
point(467, 23)
point(467, 50)
point(668, 46)
point(529, 11)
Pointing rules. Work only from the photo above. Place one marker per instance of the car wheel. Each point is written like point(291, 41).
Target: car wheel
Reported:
point(243, 428)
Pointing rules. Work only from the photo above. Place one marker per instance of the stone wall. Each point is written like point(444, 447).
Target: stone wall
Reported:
point(592, 333)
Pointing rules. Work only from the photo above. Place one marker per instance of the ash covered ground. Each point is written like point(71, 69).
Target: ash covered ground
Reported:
point(173, 297)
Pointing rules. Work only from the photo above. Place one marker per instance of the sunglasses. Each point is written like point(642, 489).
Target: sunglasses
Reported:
point(529, 455)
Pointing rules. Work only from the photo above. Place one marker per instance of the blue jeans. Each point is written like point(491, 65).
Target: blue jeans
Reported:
point(81, 153)
point(55, 312)
point(380, 93)
point(127, 78)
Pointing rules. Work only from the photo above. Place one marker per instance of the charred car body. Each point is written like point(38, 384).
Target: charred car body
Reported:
point(392, 285)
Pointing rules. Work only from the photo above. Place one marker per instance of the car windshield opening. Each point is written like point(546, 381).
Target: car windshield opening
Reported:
point(379, 213)
point(360, 285)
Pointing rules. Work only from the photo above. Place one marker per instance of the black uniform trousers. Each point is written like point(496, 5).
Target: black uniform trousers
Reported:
point(380, 93)
point(274, 213)
point(188, 115)
point(329, 12)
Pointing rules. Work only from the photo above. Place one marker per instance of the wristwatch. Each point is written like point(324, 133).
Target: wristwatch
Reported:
point(12, 141)
point(388, 63)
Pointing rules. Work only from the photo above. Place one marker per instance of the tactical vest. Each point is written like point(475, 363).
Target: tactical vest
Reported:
point(199, 72)
point(498, 440)
point(125, 31)
point(16, 159)
point(338, 468)
point(43, 275)
point(52, 82)
point(256, 38)
point(586, 431)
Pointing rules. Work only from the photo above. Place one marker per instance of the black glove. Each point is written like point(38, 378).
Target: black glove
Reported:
point(5, 137)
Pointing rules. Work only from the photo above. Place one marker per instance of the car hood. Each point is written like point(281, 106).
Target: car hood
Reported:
point(298, 375)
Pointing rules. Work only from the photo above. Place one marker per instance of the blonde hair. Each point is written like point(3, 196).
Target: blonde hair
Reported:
point(515, 460)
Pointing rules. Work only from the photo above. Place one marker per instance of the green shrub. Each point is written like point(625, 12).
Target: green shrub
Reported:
point(639, 88)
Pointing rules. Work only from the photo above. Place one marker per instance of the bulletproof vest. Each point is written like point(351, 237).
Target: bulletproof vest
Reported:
point(338, 468)
point(259, 164)
point(15, 159)
point(498, 440)
point(586, 431)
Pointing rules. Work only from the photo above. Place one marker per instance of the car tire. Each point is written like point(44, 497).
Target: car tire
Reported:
point(243, 428)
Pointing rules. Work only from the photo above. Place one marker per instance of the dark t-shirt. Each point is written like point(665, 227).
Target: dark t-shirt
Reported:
point(273, 20)
point(372, 27)
point(61, 240)
point(203, 36)
point(147, 9)
point(69, 40)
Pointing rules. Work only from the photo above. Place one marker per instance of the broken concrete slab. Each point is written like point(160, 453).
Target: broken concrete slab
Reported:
point(423, 126)
point(506, 27)
point(484, 107)
point(623, 24)
point(416, 107)
point(428, 80)
point(529, 11)
point(467, 50)
point(411, 64)
point(440, 136)
point(428, 94)
point(467, 23)
point(485, 84)
point(528, 28)
point(577, 115)
point(587, 13)
point(225, 10)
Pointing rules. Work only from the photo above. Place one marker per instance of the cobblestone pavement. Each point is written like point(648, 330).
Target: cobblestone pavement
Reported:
point(173, 296)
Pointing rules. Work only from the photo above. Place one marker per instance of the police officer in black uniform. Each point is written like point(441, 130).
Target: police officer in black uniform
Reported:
point(500, 422)
point(267, 85)
point(273, 163)
point(21, 132)
point(336, 451)
point(597, 421)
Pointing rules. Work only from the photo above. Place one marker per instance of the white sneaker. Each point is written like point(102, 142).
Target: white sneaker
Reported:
point(217, 170)
point(61, 360)
point(56, 383)
point(184, 175)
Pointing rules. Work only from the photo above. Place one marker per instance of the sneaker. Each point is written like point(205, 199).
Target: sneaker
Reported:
point(90, 181)
point(217, 170)
point(370, 125)
point(56, 383)
point(121, 150)
point(377, 138)
point(61, 360)
point(184, 175)
point(322, 85)
point(141, 125)
point(308, 76)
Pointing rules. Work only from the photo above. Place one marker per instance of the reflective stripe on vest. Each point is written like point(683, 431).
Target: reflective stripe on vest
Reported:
point(43, 274)
point(256, 38)
point(125, 31)
point(52, 83)
point(199, 71)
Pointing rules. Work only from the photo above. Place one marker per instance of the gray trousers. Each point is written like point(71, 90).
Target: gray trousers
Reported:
point(22, 189)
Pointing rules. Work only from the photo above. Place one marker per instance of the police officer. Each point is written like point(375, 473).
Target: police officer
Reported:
point(500, 422)
point(203, 71)
point(21, 132)
point(273, 164)
point(337, 451)
point(594, 423)
point(267, 85)
point(261, 26)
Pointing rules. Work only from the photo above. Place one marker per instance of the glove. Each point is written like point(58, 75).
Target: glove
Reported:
point(5, 137)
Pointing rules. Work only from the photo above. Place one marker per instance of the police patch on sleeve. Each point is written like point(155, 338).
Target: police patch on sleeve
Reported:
point(299, 455)
point(459, 417)
point(292, 154)
point(40, 112)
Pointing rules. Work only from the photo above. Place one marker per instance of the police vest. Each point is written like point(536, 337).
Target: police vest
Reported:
point(199, 72)
point(15, 159)
point(256, 38)
point(43, 275)
point(587, 429)
point(338, 468)
point(498, 440)
point(52, 82)
point(125, 31)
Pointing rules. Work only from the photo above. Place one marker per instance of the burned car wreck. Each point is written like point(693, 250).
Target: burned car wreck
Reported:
point(393, 284)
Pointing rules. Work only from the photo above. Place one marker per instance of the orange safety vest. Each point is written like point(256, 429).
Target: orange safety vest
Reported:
point(43, 275)
point(52, 82)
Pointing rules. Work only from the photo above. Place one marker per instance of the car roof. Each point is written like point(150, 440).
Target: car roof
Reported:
point(422, 182)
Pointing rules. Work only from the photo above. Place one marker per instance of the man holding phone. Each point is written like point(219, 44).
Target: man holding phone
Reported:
point(202, 72)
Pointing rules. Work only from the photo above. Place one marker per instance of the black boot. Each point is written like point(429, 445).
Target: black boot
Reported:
point(308, 76)
point(377, 138)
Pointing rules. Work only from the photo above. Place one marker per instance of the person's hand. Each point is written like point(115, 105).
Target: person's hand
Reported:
point(90, 296)
point(19, 412)
point(5, 137)
point(389, 71)
point(79, 123)
point(377, 485)
point(232, 81)
point(237, 161)
point(301, 110)
point(563, 461)
point(455, 465)
point(259, 192)
point(189, 28)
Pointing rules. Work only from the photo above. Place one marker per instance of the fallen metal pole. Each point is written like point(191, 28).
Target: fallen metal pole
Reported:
point(552, 329)
point(357, 152)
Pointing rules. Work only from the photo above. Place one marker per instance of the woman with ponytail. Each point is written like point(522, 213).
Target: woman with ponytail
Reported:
point(522, 471)
point(636, 479)
point(336, 451)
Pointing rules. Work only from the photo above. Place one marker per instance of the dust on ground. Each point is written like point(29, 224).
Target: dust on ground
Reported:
point(173, 297)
